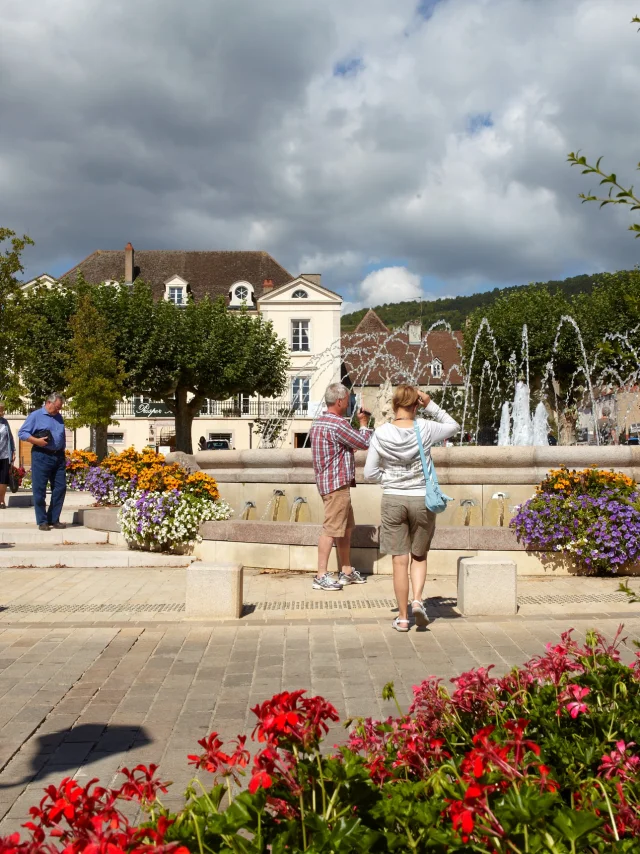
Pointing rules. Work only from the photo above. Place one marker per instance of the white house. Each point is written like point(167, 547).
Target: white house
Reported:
point(302, 311)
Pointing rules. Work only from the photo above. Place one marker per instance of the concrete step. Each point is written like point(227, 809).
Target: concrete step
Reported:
point(24, 498)
point(26, 516)
point(84, 556)
point(28, 534)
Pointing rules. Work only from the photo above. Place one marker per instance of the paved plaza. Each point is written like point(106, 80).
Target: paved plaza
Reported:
point(99, 667)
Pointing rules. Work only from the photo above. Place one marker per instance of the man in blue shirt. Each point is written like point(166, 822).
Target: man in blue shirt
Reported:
point(44, 429)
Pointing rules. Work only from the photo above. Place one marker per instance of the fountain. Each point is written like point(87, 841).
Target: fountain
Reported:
point(526, 430)
point(299, 510)
point(540, 426)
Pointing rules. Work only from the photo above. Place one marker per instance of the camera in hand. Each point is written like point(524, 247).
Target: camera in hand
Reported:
point(43, 434)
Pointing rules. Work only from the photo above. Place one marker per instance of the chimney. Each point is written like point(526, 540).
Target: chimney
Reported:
point(128, 264)
point(267, 285)
point(415, 333)
point(314, 278)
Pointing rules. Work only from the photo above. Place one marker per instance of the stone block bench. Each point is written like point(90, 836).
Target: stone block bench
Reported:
point(214, 590)
point(487, 586)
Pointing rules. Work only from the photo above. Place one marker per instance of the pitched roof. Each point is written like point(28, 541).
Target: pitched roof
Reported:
point(371, 323)
point(210, 273)
point(368, 358)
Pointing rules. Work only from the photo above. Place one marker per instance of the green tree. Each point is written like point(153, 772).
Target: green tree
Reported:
point(184, 355)
point(96, 378)
point(497, 351)
point(10, 308)
point(44, 333)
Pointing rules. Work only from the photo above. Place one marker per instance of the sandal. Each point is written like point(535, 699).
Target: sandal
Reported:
point(419, 614)
point(400, 625)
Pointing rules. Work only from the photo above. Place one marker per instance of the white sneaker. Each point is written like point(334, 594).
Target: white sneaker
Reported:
point(326, 582)
point(352, 577)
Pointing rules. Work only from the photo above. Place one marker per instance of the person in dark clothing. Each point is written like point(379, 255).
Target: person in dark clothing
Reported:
point(44, 429)
point(7, 455)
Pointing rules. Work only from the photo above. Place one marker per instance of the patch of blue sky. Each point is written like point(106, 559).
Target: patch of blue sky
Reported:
point(476, 122)
point(425, 8)
point(348, 67)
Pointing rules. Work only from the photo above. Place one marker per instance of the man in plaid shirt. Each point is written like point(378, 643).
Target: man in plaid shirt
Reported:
point(333, 441)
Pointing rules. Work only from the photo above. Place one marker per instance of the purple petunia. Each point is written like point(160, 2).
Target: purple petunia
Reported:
point(602, 532)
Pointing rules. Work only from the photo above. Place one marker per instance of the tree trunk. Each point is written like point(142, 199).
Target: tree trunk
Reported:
point(184, 412)
point(100, 433)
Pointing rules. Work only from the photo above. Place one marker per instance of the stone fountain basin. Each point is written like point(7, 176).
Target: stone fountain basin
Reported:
point(468, 473)
point(293, 546)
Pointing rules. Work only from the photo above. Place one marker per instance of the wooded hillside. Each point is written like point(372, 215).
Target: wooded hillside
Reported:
point(455, 310)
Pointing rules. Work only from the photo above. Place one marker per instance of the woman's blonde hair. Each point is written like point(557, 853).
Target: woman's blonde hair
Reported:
point(405, 396)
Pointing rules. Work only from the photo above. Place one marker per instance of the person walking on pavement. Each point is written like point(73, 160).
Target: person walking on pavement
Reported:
point(407, 525)
point(44, 429)
point(333, 441)
point(7, 455)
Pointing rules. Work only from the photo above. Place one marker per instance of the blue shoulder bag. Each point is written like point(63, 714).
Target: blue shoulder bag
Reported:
point(434, 498)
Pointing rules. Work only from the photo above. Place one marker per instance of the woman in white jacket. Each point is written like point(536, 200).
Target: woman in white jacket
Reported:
point(407, 526)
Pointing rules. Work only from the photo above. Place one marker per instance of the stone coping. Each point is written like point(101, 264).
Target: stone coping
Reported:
point(456, 465)
point(446, 538)
point(99, 518)
point(364, 536)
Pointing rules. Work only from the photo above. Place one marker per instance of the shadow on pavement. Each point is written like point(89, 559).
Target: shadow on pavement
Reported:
point(66, 750)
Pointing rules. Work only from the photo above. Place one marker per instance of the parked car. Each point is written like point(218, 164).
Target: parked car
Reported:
point(218, 445)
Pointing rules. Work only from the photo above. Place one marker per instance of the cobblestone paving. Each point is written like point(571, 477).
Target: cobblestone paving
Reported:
point(85, 692)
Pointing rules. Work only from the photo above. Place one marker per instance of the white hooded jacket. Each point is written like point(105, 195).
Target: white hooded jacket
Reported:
point(394, 458)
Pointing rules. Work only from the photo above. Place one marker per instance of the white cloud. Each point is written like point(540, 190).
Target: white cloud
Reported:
point(221, 124)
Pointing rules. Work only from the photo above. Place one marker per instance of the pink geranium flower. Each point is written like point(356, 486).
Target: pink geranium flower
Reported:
point(620, 762)
point(574, 694)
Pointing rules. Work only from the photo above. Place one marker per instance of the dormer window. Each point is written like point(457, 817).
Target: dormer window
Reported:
point(176, 290)
point(436, 369)
point(176, 295)
point(299, 294)
point(241, 294)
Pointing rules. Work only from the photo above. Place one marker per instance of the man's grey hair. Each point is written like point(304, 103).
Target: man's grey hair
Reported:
point(606, 410)
point(334, 393)
point(51, 398)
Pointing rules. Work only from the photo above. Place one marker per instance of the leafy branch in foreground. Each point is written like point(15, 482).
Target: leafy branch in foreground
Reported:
point(617, 194)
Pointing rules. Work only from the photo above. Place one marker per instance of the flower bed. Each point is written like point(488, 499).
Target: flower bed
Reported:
point(544, 759)
point(167, 521)
point(79, 464)
point(162, 505)
point(592, 516)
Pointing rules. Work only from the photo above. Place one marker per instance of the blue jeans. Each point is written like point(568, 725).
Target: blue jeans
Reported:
point(48, 468)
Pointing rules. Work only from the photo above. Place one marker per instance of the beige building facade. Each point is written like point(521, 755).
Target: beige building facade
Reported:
point(302, 311)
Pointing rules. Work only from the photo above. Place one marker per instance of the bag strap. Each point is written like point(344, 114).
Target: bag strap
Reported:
point(425, 467)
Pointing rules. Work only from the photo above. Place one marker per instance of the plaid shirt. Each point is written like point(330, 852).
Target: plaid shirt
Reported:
point(333, 441)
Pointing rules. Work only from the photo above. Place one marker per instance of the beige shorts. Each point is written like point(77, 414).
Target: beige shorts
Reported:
point(407, 525)
point(338, 512)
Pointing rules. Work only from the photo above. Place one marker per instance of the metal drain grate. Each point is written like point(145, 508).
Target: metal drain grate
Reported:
point(109, 608)
point(572, 598)
point(333, 604)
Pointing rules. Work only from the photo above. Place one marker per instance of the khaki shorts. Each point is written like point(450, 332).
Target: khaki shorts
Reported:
point(407, 525)
point(338, 512)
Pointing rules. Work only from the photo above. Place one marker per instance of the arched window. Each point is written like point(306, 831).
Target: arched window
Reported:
point(299, 294)
point(241, 294)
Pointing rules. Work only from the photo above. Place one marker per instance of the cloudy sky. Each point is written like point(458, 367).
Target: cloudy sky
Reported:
point(400, 148)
